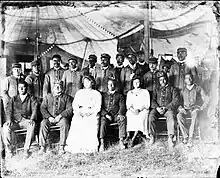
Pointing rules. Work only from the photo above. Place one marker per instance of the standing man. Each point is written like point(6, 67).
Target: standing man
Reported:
point(150, 78)
point(10, 84)
point(91, 69)
point(52, 75)
point(179, 69)
point(193, 104)
point(164, 103)
point(22, 113)
point(120, 72)
point(113, 110)
point(35, 81)
point(72, 78)
point(104, 73)
point(141, 64)
point(56, 109)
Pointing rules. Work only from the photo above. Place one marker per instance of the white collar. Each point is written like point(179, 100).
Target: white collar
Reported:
point(190, 87)
point(111, 92)
point(121, 66)
point(74, 70)
point(57, 68)
point(23, 97)
point(104, 68)
point(141, 63)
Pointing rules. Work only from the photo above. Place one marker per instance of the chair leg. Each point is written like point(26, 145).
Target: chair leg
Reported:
point(178, 133)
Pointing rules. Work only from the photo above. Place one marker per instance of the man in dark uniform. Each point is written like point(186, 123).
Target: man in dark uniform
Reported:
point(91, 68)
point(179, 69)
point(72, 78)
point(142, 64)
point(22, 113)
point(104, 73)
point(165, 101)
point(56, 109)
point(35, 81)
point(52, 75)
point(150, 78)
point(113, 110)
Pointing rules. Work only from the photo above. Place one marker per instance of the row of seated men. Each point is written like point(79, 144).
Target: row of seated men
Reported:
point(164, 98)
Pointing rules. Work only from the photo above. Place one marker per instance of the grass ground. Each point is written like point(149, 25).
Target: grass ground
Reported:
point(142, 160)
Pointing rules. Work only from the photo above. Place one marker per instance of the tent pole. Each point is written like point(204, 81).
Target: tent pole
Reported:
point(2, 43)
point(84, 54)
point(147, 32)
point(37, 33)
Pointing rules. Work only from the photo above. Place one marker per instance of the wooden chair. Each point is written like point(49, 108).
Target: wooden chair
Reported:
point(161, 128)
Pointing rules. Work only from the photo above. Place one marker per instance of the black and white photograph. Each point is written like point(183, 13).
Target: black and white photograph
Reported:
point(110, 89)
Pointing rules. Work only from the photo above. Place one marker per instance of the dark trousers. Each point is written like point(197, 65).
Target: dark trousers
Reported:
point(104, 124)
point(45, 128)
point(170, 119)
point(181, 119)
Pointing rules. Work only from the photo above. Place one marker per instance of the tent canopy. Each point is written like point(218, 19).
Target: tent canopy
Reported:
point(72, 28)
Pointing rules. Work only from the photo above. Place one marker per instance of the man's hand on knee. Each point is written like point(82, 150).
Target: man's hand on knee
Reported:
point(121, 117)
point(31, 122)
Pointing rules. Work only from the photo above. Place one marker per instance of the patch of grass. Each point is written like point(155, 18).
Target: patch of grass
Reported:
point(156, 160)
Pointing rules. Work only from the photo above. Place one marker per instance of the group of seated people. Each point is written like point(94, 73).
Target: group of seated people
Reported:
point(83, 103)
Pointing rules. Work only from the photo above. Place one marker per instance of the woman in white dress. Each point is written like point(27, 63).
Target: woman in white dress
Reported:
point(82, 136)
point(138, 103)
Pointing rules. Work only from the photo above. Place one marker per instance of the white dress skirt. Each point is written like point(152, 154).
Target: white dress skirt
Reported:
point(82, 137)
point(138, 99)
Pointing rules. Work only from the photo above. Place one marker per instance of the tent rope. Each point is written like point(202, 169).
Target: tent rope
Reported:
point(95, 23)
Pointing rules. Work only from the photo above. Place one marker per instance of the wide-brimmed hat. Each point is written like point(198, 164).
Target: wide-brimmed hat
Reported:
point(105, 55)
point(35, 63)
point(153, 60)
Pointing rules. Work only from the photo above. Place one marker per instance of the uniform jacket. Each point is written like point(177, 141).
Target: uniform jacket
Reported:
point(72, 82)
point(194, 98)
point(102, 78)
point(177, 74)
point(150, 80)
point(52, 106)
point(167, 97)
point(50, 77)
point(113, 104)
point(144, 68)
point(18, 109)
point(35, 85)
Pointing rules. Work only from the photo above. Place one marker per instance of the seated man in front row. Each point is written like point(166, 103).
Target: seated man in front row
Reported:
point(22, 113)
point(113, 110)
point(164, 103)
point(193, 104)
point(56, 109)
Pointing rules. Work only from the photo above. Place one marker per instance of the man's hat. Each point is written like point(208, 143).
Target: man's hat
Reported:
point(60, 82)
point(161, 74)
point(131, 54)
point(153, 60)
point(92, 57)
point(35, 63)
point(105, 55)
point(120, 54)
point(140, 52)
point(16, 65)
point(73, 59)
point(56, 56)
point(181, 49)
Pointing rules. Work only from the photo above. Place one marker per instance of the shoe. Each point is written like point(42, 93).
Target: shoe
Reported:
point(185, 140)
point(62, 150)
point(170, 142)
point(102, 148)
point(42, 150)
point(122, 145)
point(152, 140)
point(190, 142)
point(26, 153)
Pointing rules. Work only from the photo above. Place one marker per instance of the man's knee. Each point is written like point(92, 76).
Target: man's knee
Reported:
point(170, 115)
point(64, 122)
point(152, 115)
point(180, 117)
point(44, 123)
